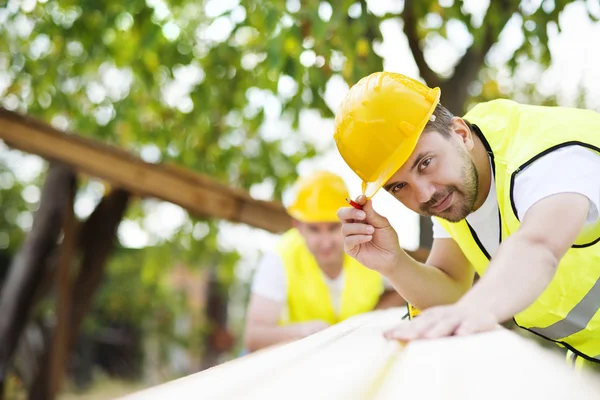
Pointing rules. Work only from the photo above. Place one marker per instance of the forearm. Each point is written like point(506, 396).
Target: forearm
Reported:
point(261, 336)
point(516, 277)
point(424, 285)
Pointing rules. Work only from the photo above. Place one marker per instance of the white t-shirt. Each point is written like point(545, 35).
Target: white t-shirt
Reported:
point(572, 169)
point(270, 281)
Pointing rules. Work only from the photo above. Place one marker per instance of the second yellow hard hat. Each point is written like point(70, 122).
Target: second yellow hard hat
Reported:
point(318, 197)
point(379, 123)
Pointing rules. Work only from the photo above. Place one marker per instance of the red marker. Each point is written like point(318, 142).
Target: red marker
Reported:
point(354, 204)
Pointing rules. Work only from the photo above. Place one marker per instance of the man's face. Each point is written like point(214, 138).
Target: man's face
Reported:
point(439, 179)
point(325, 242)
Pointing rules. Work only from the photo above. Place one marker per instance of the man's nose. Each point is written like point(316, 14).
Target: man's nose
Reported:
point(424, 191)
point(326, 241)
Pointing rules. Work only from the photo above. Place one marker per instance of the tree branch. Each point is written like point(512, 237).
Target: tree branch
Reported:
point(59, 351)
point(469, 65)
point(410, 30)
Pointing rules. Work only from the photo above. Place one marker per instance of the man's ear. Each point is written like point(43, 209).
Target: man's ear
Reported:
point(461, 129)
point(295, 223)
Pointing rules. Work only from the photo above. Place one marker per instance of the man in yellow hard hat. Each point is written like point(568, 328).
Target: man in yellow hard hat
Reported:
point(514, 192)
point(309, 283)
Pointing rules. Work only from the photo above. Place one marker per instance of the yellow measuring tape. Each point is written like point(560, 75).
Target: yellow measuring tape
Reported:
point(412, 311)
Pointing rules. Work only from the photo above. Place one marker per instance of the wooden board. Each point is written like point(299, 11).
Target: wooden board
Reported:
point(352, 360)
point(197, 193)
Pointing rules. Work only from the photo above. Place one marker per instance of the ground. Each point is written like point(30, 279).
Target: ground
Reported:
point(103, 389)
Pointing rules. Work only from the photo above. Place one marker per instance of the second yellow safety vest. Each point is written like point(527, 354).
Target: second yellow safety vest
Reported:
point(308, 294)
point(515, 135)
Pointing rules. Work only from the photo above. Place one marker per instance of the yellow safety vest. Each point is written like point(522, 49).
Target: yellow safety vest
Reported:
point(515, 135)
point(308, 296)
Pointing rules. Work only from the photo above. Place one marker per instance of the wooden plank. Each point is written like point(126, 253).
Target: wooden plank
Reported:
point(201, 195)
point(352, 360)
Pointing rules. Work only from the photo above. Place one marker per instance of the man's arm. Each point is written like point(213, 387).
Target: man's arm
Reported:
point(526, 262)
point(370, 239)
point(262, 329)
point(267, 301)
point(521, 270)
point(443, 279)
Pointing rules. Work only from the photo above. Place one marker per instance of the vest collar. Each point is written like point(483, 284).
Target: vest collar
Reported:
point(488, 149)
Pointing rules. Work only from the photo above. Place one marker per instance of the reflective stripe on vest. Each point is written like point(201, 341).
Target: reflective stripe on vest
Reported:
point(577, 319)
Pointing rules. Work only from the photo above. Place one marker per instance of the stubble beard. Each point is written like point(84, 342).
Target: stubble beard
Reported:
point(464, 196)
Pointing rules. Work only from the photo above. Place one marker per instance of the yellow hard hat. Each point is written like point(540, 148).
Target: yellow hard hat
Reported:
point(318, 197)
point(379, 123)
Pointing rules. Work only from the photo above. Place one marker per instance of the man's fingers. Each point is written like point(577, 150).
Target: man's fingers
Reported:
point(409, 330)
point(465, 329)
point(367, 214)
point(442, 327)
point(350, 214)
point(349, 229)
point(361, 199)
point(350, 242)
point(397, 331)
point(374, 218)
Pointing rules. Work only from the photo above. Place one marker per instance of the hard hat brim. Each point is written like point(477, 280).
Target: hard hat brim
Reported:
point(401, 155)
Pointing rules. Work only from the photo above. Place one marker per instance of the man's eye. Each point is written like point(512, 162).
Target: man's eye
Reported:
point(397, 188)
point(424, 164)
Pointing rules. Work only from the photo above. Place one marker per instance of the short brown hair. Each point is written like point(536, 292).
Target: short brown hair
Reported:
point(442, 121)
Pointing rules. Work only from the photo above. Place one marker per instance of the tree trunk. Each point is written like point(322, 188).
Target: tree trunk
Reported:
point(218, 340)
point(455, 92)
point(95, 242)
point(27, 358)
point(27, 269)
point(59, 350)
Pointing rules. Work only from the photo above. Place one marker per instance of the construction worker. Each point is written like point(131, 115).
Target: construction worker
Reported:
point(513, 191)
point(309, 283)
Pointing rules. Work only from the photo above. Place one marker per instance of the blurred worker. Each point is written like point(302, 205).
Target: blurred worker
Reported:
point(309, 283)
point(514, 191)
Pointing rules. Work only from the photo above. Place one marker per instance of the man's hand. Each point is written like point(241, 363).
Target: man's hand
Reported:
point(262, 328)
point(442, 321)
point(308, 328)
point(369, 237)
